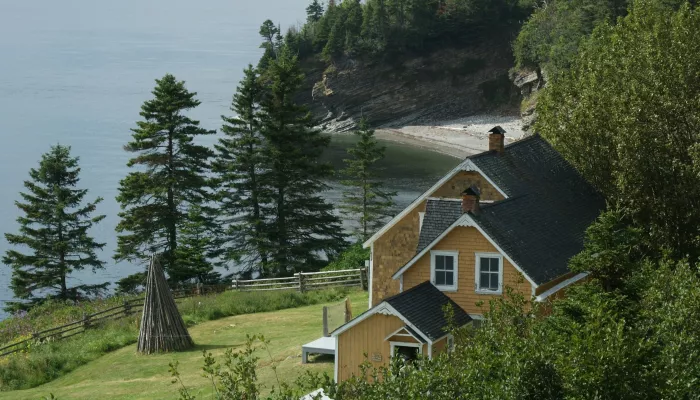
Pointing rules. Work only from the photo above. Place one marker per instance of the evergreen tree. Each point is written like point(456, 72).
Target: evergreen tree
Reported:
point(195, 245)
point(271, 41)
point(302, 225)
point(365, 200)
point(314, 11)
point(336, 41)
point(171, 178)
point(238, 164)
point(54, 228)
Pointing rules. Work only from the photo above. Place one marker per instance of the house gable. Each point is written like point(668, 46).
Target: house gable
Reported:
point(365, 341)
point(395, 244)
point(467, 242)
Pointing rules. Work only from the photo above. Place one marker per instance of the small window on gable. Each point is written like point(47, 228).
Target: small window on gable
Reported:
point(443, 269)
point(489, 273)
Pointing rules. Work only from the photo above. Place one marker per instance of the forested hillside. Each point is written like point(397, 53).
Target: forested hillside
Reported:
point(400, 61)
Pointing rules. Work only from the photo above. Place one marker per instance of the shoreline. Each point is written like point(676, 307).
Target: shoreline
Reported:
point(456, 138)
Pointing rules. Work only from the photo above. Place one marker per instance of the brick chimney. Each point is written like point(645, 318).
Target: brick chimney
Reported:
point(470, 200)
point(497, 137)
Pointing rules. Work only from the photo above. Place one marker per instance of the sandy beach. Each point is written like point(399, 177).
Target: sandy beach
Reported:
point(458, 138)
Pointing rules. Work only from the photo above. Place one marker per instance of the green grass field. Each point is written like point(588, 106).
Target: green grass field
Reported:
point(123, 374)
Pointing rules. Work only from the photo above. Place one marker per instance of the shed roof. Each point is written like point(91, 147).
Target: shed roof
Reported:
point(423, 305)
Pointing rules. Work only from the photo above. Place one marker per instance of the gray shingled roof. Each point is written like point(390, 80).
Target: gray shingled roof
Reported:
point(423, 306)
point(542, 223)
point(439, 215)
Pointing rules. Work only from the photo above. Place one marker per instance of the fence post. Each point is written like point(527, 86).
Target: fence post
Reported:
point(86, 321)
point(301, 283)
point(127, 308)
point(362, 278)
point(348, 310)
point(236, 283)
point(325, 321)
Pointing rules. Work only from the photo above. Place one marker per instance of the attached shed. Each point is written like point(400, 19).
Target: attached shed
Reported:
point(410, 324)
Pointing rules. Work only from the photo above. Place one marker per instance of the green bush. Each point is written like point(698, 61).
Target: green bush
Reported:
point(352, 258)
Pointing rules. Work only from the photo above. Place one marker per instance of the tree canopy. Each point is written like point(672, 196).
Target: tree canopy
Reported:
point(170, 178)
point(627, 116)
point(55, 227)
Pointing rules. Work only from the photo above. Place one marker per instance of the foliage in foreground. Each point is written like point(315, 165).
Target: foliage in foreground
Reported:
point(45, 362)
point(235, 377)
point(632, 99)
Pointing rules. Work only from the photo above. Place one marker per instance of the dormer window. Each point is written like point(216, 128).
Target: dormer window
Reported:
point(489, 273)
point(443, 269)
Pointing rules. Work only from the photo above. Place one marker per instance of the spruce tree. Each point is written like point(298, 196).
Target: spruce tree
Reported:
point(302, 225)
point(170, 178)
point(365, 199)
point(237, 166)
point(314, 11)
point(53, 231)
point(195, 244)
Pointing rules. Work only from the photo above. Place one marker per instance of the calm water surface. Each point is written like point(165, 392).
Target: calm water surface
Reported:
point(75, 72)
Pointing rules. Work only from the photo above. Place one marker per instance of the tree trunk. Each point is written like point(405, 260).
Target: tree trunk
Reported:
point(172, 212)
point(256, 204)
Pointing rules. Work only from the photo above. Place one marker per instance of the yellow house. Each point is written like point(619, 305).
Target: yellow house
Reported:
point(512, 216)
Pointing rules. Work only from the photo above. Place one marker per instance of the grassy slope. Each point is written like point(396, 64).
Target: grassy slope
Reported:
point(125, 375)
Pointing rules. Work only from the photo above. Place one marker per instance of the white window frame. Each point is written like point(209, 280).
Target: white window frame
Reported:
point(455, 255)
point(477, 273)
point(419, 346)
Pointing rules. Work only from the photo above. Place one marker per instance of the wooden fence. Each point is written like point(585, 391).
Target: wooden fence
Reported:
point(305, 281)
point(301, 282)
point(74, 328)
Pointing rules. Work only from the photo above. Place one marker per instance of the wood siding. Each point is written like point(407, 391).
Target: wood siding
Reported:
point(367, 339)
point(398, 245)
point(467, 241)
point(465, 179)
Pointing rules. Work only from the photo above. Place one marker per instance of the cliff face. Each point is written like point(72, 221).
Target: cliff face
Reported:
point(446, 84)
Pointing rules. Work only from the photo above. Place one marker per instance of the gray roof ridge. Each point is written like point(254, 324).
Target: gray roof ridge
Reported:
point(420, 285)
point(525, 139)
point(504, 201)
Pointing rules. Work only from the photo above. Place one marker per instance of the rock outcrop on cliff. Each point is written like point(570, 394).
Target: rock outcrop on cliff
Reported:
point(446, 84)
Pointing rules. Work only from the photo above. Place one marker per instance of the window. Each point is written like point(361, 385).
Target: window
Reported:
point(409, 352)
point(443, 269)
point(489, 273)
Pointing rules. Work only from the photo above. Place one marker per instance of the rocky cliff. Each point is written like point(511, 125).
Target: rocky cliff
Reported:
point(445, 84)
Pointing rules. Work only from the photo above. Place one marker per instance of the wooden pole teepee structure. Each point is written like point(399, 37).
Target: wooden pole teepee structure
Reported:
point(162, 327)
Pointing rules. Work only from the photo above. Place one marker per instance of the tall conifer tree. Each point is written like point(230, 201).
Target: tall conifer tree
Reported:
point(366, 200)
point(54, 229)
point(195, 245)
point(302, 225)
point(238, 167)
point(155, 199)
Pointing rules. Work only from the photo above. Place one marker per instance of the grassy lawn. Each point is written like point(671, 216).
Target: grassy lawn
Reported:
point(123, 374)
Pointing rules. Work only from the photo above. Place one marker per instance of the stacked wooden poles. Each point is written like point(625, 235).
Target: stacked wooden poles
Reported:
point(162, 327)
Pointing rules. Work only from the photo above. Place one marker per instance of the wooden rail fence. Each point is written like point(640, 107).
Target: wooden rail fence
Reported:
point(301, 282)
point(305, 281)
point(74, 328)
